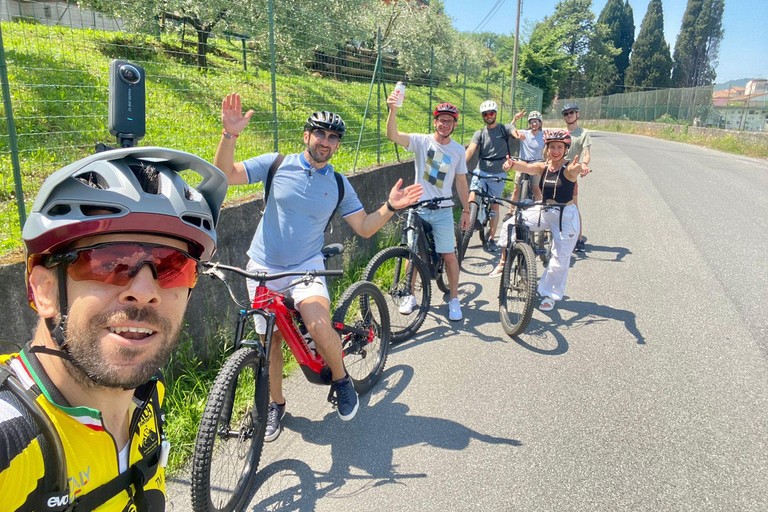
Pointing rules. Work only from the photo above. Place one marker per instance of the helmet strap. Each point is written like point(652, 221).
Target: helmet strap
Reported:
point(57, 330)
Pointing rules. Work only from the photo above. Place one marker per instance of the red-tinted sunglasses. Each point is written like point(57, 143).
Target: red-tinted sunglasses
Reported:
point(119, 262)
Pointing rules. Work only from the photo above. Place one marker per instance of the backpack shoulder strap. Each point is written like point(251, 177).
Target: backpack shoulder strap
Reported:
point(505, 134)
point(270, 175)
point(340, 189)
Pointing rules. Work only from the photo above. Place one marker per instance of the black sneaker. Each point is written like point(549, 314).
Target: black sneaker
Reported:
point(581, 246)
point(275, 417)
point(346, 398)
point(493, 246)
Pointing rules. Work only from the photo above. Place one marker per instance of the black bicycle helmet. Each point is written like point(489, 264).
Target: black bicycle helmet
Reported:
point(569, 106)
point(325, 120)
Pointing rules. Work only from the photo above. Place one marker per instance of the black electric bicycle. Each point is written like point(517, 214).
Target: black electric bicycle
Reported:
point(404, 272)
point(517, 291)
point(480, 212)
point(231, 435)
point(542, 239)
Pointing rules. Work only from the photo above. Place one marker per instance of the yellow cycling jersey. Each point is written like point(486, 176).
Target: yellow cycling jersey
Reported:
point(91, 453)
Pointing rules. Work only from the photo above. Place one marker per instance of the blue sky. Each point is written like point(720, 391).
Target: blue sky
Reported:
point(743, 50)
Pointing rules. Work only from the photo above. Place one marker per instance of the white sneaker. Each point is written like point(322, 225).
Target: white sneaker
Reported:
point(406, 308)
point(454, 310)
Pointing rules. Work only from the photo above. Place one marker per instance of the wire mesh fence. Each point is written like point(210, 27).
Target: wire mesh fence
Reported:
point(698, 106)
point(57, 101)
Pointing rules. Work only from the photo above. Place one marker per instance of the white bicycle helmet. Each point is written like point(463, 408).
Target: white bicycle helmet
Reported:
point(489, 106)
point(535, 114)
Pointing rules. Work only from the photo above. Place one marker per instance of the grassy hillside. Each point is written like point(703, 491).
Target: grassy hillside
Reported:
point(59, 88)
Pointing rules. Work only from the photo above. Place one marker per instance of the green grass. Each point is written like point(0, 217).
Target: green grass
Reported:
point(59, 88)
point(726, 142)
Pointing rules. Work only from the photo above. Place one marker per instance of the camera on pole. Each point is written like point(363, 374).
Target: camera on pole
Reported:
point(127, 98)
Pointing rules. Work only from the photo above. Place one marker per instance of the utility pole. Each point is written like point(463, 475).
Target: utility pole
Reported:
point(514, 55)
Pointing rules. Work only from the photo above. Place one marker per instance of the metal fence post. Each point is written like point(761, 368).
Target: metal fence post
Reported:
point(272, 70)
point(365, 114)
point(378, 99)
point(245, 62)
point(13, 142)
point(397, 152)
point(431, 65)
point(501, 107)
point(464, 102)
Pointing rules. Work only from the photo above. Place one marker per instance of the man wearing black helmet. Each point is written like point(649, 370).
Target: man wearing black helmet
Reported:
point(581, 145)
point(112, 258)
point(305, 194)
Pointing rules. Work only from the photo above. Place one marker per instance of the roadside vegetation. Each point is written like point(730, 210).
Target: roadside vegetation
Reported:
point(725, 142)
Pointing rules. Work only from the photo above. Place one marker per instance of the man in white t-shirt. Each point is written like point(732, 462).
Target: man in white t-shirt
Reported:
point(439, 162)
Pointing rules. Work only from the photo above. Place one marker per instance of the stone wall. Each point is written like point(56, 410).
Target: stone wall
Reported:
point(210, 306)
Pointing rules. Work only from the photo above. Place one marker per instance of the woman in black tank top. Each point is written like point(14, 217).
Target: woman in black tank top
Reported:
point(558, 179)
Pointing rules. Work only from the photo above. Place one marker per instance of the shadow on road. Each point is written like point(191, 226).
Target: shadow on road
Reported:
point(548, 337)
point(362, 450)
point(601, 253)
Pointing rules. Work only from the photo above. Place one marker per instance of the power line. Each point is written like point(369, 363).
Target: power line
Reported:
point(490, 14)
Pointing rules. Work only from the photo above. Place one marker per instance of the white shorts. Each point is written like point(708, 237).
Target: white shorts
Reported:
point(317, 288)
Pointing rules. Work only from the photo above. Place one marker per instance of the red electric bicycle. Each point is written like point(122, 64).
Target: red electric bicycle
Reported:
point(231, 435)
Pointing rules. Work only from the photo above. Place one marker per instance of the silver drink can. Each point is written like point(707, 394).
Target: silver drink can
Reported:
point(400, 89)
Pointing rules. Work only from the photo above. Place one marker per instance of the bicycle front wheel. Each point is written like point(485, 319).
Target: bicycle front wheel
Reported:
point(517, 289)
point(231, 435)
point(404, 280)
point(365, 337)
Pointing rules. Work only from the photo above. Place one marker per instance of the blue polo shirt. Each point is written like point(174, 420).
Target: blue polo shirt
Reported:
point(300, 203)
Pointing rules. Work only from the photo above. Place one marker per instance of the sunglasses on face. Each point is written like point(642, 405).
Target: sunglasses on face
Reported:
point(565, 114)
point(486, 114)
point(118, 262)
point(333, 138)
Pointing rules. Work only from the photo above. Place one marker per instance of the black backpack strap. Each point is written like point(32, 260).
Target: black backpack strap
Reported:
point(270, 175)
point(340, 189)
point(505, 134)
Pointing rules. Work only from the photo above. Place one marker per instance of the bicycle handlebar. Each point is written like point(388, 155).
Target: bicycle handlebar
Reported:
point(434, 203)
point(263, 276)
point(493, 178)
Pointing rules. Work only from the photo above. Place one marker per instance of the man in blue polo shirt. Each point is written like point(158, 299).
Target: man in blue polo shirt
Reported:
point(303, 196)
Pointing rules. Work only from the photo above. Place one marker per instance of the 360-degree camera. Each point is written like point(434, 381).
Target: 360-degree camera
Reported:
point(127, 96)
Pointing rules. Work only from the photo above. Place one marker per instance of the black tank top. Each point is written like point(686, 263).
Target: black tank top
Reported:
point(556, 186)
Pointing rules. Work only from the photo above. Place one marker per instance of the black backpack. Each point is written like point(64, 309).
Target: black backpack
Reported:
point(273, 170)
point(504, 133)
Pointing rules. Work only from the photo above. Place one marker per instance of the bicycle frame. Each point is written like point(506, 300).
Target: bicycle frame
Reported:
point(417, 238)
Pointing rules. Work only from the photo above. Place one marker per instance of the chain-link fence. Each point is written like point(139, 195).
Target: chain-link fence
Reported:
point(55, 57)
point(693, 105)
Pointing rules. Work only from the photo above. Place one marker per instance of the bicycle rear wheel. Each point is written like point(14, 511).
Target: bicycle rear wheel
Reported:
point(365, 340)
point(517, 289)
point(466, 236)
point(231, 435)
point(545, 245)
point(404, 280)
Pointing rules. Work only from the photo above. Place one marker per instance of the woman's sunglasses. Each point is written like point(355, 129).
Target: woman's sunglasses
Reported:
point(119, 262)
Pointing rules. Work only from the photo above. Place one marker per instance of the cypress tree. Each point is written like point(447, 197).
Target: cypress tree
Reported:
point(621, 33)
point(650, 62)
point(698, 43)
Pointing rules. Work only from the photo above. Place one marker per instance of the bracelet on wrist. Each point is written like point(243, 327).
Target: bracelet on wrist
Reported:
point(229, 135)
point(390, 207)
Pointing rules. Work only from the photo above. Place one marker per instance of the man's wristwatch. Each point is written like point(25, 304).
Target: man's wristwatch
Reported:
point(390, 207)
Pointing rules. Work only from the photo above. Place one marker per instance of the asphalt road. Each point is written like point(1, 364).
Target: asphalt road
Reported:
point(645, 389)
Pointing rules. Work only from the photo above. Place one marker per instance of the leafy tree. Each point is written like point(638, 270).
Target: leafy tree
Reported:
point(575, 21)
point(542, 63)
point(650, 63)
point(620, 31)
point(698, 43)
point(599, 63)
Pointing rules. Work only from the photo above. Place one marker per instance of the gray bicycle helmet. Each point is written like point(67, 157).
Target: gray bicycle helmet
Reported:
point(325, 120)
point(569, 106)
point(535, 114)
point(101, 194)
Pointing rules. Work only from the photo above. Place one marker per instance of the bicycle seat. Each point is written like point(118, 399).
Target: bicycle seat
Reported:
point(332, 250)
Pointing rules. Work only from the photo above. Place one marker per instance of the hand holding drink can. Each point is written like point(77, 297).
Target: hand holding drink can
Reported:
point(400, 90)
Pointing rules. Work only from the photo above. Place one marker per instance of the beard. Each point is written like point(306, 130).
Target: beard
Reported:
point(489, 120)
point(91, 365)
point(313, 152)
